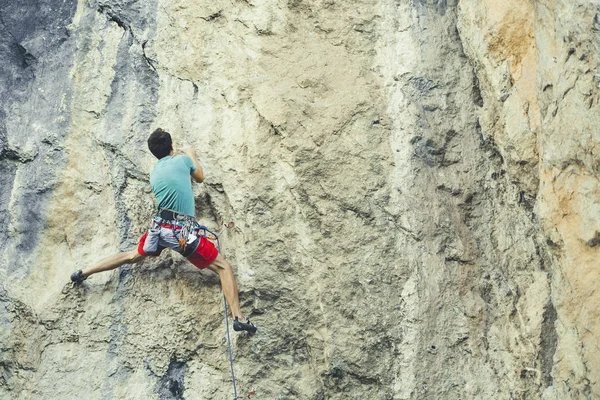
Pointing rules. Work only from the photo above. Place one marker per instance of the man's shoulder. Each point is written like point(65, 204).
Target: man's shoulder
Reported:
point(174, 164)
point(172, 159)
point(182, 157)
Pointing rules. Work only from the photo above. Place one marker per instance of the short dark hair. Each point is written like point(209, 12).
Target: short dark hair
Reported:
point(160, 143)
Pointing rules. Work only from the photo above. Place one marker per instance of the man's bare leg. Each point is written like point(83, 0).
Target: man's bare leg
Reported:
point(114, 261)
point(230, 290)
point(222, 267)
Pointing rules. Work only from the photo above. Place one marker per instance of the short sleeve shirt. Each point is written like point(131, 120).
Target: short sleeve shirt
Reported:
point(171, 183)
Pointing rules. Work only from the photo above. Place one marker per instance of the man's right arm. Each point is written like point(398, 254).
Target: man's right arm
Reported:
point(198, 174)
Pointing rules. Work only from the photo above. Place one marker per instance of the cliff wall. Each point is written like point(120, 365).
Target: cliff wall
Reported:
point(414, 186)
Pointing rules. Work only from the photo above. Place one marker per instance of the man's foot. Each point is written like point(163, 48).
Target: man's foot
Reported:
point(243, 325)
point(77, 277)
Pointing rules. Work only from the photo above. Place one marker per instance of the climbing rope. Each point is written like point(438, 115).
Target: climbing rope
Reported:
point(216, 238)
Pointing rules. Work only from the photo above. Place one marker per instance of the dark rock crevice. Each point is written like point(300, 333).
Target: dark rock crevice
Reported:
point(112, 16)
point(172, 384)
point(548, 343)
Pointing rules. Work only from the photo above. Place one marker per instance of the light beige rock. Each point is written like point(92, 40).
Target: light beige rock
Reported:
point(414, 186)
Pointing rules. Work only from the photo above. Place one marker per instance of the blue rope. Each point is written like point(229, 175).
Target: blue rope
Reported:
point(235, 396)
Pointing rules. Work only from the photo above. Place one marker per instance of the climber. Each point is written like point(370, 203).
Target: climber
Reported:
point(174, 225)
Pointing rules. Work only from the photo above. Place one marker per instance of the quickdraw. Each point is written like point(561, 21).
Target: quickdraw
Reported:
point(188, 237)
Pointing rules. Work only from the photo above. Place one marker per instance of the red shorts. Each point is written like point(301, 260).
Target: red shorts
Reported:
point(204, 255)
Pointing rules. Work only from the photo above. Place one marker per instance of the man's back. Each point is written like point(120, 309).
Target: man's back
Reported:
point(170, 180)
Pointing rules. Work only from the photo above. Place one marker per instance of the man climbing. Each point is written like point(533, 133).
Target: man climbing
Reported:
point(174, 225)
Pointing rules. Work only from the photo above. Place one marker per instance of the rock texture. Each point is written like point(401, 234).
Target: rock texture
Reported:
point(414, 186)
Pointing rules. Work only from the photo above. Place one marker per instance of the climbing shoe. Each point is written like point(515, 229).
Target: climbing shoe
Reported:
point(243, 326)
point(78, 277)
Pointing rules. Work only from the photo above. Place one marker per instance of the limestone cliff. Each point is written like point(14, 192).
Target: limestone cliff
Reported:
point(414, 185)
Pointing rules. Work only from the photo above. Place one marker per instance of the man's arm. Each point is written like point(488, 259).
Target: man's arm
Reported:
point(198, 174)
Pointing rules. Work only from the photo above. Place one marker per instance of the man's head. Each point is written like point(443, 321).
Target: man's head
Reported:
point(160, 143)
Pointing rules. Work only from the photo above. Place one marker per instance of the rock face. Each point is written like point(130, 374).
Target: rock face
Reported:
point(414, 186)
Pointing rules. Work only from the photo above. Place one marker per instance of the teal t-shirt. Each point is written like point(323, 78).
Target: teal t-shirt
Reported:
point(171, 183)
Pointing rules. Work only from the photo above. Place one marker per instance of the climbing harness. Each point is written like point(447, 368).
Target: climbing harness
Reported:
point(184, 237)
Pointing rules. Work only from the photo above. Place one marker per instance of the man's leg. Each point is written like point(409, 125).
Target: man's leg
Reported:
point(207, 256)
point(112, 262)
point(222, 267)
